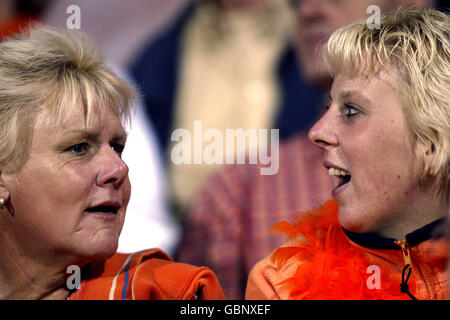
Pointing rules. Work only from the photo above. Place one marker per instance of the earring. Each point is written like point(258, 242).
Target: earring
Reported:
point(2, 203)
point(427, 171)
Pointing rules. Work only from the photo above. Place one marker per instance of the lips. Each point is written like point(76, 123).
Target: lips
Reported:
point(340, 176)
point(104, 208)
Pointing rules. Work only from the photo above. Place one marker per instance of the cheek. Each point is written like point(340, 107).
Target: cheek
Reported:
point(54, 192)
point(47, 207)
point(68, 188)
point(384, 171)
point(125, 193)
point(126, 189)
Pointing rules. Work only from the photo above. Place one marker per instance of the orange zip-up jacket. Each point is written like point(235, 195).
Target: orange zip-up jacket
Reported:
point(146, 275)
point(322, 261)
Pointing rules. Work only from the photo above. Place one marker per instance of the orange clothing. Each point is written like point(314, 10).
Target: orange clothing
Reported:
point(15, 25)
point(146, 275)
point(323, 261)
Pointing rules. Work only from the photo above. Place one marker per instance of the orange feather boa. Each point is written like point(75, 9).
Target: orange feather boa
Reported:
point(330, 267)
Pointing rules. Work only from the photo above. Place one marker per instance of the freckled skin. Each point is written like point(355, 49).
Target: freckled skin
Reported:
point(383, 195)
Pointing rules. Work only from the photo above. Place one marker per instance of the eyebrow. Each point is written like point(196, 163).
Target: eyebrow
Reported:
point(93, 135)
point(354, 94)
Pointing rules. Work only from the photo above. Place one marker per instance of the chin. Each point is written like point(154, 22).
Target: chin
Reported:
point(107, 250)
point(352, 220)
point(101, 250)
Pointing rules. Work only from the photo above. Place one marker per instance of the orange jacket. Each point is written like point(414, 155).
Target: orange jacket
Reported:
point(323, 261)
point(146, 275)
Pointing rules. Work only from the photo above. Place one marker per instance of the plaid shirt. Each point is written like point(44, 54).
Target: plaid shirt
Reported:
point(226, 228)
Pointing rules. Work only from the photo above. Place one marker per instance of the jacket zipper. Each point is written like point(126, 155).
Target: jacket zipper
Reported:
point(423, 270)
point(407, 269)
point(405, 251)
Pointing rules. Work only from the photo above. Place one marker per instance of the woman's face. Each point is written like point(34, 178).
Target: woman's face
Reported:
point(70, 196)
point(364, 135)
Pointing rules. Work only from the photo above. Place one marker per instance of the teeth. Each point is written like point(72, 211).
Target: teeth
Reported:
point(337, 172)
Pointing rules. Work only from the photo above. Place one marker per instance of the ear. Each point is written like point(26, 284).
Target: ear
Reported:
point(425, 153)
point(429, 158)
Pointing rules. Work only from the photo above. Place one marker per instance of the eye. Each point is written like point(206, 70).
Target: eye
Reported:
point(79, 149)
point(118, 148)
point(350, 111)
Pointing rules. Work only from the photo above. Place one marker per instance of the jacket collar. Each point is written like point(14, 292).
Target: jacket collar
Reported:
point(373, 241)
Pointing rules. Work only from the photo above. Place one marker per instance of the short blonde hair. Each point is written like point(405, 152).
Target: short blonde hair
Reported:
point(414, 43)
point(53, 69)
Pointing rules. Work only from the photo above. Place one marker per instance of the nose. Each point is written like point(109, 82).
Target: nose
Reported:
point(322, 133)
point(112, 170)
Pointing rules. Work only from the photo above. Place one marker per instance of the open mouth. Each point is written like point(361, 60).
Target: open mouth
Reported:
point(340, 177)
point(103, 209)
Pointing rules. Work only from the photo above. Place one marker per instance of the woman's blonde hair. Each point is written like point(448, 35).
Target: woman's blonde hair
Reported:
point(414, 44)
point(57, 70)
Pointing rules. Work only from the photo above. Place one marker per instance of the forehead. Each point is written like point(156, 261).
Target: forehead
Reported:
point(379, 88)
point(75, 119)
point(86, 100)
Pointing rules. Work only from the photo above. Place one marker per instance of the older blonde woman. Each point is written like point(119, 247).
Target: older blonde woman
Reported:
point(386, 139)
point(64, 188)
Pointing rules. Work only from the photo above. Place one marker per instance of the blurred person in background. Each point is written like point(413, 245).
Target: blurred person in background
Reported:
point(228, 64)
point(121, 28)
point(18, 14)
point(226, 228)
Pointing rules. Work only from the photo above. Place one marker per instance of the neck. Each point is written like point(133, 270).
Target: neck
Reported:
point(424, 212)
point(30, 277)
point(25, 281)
